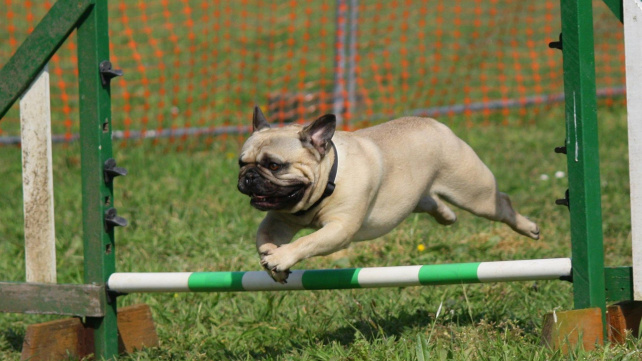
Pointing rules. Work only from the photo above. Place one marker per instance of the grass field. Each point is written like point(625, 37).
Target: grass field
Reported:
point(185, 214)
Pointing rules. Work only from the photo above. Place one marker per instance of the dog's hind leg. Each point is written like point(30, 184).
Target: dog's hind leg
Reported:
point(474, 189)
point(434, 206)
point(504, 212)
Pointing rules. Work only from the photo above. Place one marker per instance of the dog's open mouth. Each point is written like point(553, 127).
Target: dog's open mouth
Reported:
point(276, 202)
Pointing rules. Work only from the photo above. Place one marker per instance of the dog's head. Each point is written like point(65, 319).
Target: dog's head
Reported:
point(281, 168)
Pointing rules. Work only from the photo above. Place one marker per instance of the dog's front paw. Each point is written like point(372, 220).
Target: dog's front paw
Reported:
point(277, 263)
point(278, 276)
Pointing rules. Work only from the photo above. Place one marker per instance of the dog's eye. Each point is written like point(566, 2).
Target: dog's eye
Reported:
point(274, 166)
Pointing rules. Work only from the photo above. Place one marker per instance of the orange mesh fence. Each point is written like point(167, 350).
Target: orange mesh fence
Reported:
point(198, 67)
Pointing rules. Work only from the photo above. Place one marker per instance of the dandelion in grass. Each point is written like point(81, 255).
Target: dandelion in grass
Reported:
point(421, 247)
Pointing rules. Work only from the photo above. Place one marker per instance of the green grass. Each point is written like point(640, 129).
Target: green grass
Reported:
point(186, 215)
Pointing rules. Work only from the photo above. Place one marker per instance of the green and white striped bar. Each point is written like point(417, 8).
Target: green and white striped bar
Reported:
point(400, 276)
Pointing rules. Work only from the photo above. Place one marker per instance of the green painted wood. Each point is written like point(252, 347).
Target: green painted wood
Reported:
point(582, 154)
point(618, 284)
point(55, 299)
point(96, 148)
point(25, 65)
point(616, 7)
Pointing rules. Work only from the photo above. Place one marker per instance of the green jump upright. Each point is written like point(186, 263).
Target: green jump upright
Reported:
point(90, 19)
point(582, 154)
point(97, 190)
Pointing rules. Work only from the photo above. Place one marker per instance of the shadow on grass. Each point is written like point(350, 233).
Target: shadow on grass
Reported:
point(368, 327)
point(14, 338)
point(374, 328)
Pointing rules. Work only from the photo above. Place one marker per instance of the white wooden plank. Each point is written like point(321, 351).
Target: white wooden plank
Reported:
point(37, 182)
point(633, 55)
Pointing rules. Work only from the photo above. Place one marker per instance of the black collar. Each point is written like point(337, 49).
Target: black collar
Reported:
point(329, 188)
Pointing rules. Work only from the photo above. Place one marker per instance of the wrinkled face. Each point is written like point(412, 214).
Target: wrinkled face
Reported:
point(276, 170)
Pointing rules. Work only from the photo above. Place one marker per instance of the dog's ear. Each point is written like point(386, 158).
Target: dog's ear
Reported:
point(258, 120)
point(319, 133)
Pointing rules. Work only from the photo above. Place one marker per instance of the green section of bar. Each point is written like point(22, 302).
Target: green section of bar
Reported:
point(215, 281)
point(331, 279)
point(445, 274)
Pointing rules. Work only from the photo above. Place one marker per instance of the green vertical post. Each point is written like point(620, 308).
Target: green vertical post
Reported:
point(96, 148)
point(583, 155)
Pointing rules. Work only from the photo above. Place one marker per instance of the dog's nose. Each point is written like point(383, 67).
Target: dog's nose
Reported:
point(246, 182)
point(250, 177)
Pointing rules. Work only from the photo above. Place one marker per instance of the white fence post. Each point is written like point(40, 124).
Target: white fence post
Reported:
point(633, 57)
point(37, 181)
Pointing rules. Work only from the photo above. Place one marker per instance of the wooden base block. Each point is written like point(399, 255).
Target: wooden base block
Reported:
point(621, 317)
point(58, 340)
point(136, 328)
point(565, 329)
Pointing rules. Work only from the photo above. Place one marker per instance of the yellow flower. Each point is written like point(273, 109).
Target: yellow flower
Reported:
point(421, 248)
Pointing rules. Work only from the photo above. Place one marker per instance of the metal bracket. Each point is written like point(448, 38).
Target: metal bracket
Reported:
point(560, 150)
point(113, 220)
point(107, 72)
point(557, 44)
point(113, 295)
point(567, 278)
point(111, 171)
point(564, 201)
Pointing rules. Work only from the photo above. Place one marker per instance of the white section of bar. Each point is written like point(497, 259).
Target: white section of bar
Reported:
point(536, 269)
point(37, 182)
point(389, 276)
point(633, 60)
point(261, 281)
point(149, 282)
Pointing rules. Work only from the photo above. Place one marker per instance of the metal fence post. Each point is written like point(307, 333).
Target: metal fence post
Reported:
point(96, 148)
point(340, 61)
point(352, 61)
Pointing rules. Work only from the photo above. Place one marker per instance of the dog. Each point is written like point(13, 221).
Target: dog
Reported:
point(356, 186)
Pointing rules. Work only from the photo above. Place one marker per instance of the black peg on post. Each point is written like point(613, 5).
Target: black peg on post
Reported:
point(111, 171)
point(560, 150)
point(557, 44)
point(113, 220)
point(564, 201)
point(107, 72)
